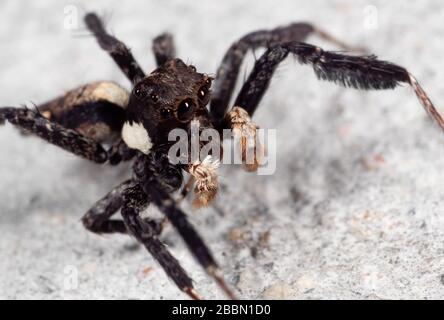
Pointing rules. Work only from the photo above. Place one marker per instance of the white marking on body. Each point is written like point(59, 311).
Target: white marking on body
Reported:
point(111, 92)
point(136, 137)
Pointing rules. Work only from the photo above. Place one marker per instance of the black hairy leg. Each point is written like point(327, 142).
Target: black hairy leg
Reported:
point(228, 70)
point(97, 219)
point(163, 48)
point(68, 139)
point(159, 179)
point(120, 53)
point(192, 239)
point(96, 111)
point(134, 201)
point(360, 72)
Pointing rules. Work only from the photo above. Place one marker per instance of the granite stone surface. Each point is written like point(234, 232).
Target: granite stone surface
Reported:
point(353, 211)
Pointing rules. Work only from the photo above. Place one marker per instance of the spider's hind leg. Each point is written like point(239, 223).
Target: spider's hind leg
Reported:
point(80, 121)
point(163, 48)
point(54, 133)
point(120, 53)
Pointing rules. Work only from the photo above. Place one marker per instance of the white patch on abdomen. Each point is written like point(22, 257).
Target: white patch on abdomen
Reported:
point(111, 92)
point(136, 137)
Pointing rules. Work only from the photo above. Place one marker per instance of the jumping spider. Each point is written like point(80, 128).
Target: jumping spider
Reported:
point(135, 125)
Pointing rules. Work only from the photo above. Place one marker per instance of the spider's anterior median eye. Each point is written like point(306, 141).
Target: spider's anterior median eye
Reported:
point(185, 110)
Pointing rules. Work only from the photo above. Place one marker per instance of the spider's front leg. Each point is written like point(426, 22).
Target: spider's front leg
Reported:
point(158, 179)
point(98, 218)
point(360, 72)
point(134, 201)
point(229, 68)
point(192, 239)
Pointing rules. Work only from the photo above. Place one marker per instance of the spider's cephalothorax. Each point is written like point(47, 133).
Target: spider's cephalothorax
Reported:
point(169, 98)
point(136, 125)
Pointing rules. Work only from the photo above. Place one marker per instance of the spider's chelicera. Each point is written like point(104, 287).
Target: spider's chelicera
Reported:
point(136, 126)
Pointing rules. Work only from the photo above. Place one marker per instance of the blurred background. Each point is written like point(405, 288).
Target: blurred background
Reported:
point(354, 209)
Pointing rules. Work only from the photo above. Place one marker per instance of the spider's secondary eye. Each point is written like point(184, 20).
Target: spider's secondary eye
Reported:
point(139, 93)
point(154, 97)
point(165, 113)
point(193, 68)
point(185, 110)
point(203, 91)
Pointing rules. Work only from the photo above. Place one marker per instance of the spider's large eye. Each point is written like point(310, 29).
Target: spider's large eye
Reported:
point(185, 109)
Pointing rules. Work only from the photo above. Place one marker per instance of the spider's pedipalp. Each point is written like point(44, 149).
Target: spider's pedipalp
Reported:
point(206, 181)
point(244, 130)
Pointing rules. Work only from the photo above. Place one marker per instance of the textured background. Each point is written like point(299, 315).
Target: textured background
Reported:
point(354, 209)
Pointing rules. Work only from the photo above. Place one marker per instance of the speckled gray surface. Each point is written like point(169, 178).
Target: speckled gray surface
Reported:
point(354, 210)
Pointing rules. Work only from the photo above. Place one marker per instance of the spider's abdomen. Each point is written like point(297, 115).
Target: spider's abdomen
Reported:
point(96, 110)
